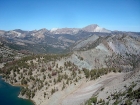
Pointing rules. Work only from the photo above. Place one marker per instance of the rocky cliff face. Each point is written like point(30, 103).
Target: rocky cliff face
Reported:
point(94, 51)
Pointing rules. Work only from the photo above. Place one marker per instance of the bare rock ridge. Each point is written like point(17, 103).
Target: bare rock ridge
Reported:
point(65, 31)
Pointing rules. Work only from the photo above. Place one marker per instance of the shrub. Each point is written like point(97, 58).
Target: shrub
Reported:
point(94, 100)
point(42, 70)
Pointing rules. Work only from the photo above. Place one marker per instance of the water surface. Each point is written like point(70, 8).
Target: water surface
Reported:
point(9, 95)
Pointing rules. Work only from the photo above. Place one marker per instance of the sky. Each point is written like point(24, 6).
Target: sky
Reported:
point(122, 15)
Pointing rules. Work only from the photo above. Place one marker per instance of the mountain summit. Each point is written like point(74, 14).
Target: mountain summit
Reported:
point(95, 28)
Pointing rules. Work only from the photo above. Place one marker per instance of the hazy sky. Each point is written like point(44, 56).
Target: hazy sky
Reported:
point(123, 15)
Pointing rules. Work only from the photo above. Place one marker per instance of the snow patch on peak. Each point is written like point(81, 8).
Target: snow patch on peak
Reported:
point(54, 29)
point(98, 29)
point(16, 33)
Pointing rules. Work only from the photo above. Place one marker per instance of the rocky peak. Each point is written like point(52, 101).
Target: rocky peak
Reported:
point(95, 28)
point(90, 28)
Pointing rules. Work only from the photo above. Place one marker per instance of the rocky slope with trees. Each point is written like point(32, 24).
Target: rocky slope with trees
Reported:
point(51, 78)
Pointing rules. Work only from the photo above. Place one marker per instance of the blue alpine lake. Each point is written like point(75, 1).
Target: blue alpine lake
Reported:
point(9, 95)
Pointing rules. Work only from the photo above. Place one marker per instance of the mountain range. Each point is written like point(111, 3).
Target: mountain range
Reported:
point(56, 40)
